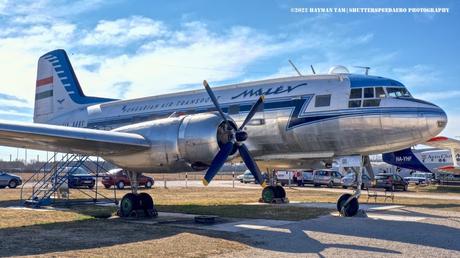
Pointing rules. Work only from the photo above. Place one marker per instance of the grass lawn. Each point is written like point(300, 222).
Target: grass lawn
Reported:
point(84, 231)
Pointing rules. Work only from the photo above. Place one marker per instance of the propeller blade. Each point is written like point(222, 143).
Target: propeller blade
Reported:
point(253, 111)
point(251, 164)
point(214, 100)
point(218, 162)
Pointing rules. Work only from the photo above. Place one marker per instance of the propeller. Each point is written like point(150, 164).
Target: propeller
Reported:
point(236, 139)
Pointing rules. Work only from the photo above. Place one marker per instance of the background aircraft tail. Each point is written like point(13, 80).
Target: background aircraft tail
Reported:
point(405, 159)
point(57, 89)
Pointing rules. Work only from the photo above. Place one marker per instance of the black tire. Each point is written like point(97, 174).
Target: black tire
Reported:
point(91, 186)
point(393, 188)
point(405, 188)
point(2, 186)
point(120, 185)
point(352, 207)
point(362, 186)
point(330, 184)
point(148, 184)
point(344, 187)
point(107, 186)
point(316, 185)
point(13, 184)
point(129, 203)
point(280, 192)
point(268, 194)
point(145, 201)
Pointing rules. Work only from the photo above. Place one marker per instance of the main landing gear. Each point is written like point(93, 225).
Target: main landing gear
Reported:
point(274, 194)
point(136, 205)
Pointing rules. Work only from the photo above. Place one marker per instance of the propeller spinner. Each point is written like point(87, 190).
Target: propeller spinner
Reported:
point(237, 138)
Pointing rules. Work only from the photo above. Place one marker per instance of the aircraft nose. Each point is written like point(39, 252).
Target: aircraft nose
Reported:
point(436, 120)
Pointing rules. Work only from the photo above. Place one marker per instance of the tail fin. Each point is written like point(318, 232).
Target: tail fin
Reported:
point(405, 159)
point(57, 89)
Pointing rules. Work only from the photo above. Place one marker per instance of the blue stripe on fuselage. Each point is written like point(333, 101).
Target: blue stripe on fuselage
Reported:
point(297, 107)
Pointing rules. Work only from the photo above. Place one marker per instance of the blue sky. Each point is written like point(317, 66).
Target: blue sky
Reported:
point(125, 49)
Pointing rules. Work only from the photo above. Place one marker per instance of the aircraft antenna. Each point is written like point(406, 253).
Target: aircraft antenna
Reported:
point(312, 69)
point(366, 68)
point(295, 68)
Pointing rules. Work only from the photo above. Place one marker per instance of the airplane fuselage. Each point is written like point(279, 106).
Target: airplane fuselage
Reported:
point(304, 117)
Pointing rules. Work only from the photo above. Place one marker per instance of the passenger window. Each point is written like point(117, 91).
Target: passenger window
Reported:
point(354, 103)
point(371, 102)
point(379, 92)
point(356, 93)
point(323, 100)
point(368, 93)
point(234, 109)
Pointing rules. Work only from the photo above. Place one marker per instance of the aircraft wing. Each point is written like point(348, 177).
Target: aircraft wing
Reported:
point(450, 169)
point(453, 145)
point(442, 142)
point(65, 139)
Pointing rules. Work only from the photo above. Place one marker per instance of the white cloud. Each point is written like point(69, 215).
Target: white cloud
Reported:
point(438, 95)
point(123, 31)
point(418, 75)
point(185, 56)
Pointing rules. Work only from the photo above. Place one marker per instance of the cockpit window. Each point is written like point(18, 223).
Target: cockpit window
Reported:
point(356, 93)
point(397, 92)
point(368, 93)
point(380, 92)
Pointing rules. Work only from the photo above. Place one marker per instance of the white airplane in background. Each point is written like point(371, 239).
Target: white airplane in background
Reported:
point(444, 158)
point(301, 121)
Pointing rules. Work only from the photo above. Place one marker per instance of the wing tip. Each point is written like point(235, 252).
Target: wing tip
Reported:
point(438, 139)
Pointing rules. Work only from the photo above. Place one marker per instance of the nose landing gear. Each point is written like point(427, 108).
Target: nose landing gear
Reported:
point(136, 205)
point(347, 204)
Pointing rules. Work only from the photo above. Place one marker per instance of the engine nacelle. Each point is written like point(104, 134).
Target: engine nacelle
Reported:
point(177, 143)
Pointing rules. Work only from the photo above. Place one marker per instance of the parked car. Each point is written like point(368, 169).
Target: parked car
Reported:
point(10, 180)
point(240, 178)
point(419, 178)
point(119, 177)
point(304, 177)
point(390, 182)
point(349, 181)
point(248, 177)
point(78, 177)
point(299, 177)
point(327, 177)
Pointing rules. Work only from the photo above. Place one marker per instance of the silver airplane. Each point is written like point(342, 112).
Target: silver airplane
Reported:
point(301, 121)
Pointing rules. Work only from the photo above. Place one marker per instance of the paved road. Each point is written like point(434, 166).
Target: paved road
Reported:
point(229, 183)
point(237, 184)
point(405, 232)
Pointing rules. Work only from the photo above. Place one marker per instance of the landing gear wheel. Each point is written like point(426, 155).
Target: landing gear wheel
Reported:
point(128, 205)
point(280, 192)
point(351, 209)
point(268, 194)
point(146, 203)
